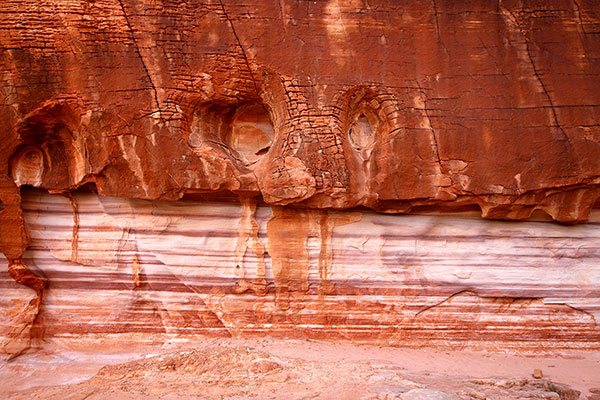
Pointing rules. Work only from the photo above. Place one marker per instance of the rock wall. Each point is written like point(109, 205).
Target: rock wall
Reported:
point(168, 270)
point(325, 106)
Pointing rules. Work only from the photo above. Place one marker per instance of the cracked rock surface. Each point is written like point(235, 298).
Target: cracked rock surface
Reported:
point(333, 170)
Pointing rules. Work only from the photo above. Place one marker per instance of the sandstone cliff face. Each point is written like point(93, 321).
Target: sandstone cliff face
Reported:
point(307, 109)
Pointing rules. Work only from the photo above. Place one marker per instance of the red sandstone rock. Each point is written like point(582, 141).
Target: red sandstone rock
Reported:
point(397, 107)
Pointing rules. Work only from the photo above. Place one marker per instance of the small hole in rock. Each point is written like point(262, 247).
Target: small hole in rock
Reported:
point(263, 151)
point(251, 132)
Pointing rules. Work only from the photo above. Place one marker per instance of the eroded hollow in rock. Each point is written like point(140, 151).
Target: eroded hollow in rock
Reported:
point(53, 150)
point(251, 132)
point(363, 124)
point(361, 134)
point(28, 166)
point(246, 130)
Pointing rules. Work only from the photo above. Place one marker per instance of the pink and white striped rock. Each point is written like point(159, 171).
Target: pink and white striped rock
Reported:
point(165, 270)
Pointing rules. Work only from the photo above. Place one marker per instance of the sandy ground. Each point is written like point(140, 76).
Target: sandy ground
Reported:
point(291, 369)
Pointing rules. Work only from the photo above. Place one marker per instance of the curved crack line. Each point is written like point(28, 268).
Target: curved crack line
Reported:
point(422, 310)
point(137, 47)
point(239, 44)
point(437, 26)
point(536, 72)
point(578, 309)
point(578, 11)
point(433, 134)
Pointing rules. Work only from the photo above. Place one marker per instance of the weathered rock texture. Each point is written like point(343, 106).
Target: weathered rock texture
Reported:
point(330, 105)
point(174, 269)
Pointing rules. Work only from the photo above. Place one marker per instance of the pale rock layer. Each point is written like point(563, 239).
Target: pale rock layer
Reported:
point(166, 270)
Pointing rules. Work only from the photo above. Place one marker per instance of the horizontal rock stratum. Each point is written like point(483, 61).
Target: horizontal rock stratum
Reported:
point(242, 168)
point(174, 269)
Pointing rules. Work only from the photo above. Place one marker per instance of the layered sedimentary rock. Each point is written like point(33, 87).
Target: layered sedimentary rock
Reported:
point(192, 267)
point(306, 109)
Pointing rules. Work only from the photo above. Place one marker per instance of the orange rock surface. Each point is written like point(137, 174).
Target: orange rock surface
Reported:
point(315, 126)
